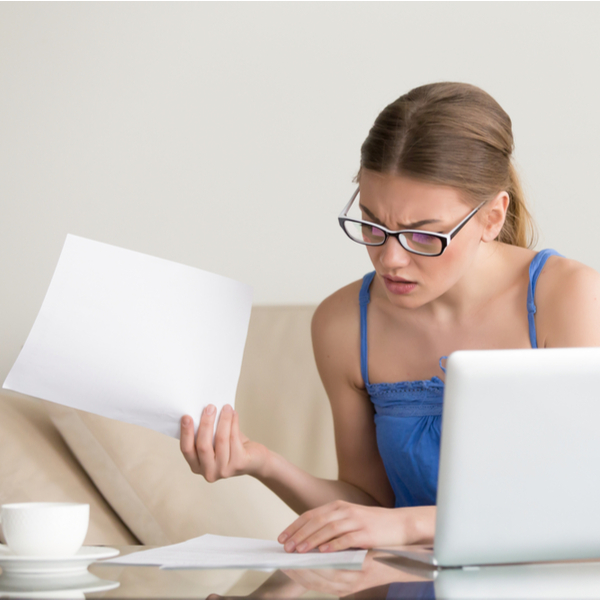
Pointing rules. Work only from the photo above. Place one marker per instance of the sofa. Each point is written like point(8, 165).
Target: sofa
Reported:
point(139, 487)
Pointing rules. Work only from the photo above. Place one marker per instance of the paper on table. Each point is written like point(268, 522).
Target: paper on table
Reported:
point(135, 338)
point(218, 552)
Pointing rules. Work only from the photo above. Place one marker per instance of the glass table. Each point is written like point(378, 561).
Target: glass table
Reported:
point(378, 571)
point(381, 576)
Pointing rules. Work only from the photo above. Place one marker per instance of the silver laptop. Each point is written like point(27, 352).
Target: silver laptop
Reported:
point(519, 477)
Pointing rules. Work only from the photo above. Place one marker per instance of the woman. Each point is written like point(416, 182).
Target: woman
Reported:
point(441, 212)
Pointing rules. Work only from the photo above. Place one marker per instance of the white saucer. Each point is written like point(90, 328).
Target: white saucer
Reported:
point(63, 587)
point(44, 566)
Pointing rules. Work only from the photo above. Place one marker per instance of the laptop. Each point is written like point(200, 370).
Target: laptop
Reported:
point(519, 477)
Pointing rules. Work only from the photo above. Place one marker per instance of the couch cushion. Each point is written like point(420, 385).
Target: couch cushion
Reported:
point(37, 466)
point(281, 403)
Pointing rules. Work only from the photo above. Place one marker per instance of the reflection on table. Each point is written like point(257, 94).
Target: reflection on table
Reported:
point(382, 576)
point(151, 582)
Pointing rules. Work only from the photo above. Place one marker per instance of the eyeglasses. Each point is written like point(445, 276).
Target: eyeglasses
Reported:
point(417, 241)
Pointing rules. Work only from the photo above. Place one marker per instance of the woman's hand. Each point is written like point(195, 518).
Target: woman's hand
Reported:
point(232, 453)
point(341, 525)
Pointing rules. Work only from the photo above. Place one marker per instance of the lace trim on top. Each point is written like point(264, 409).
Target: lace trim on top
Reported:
point(421, 398)
point(417, 386)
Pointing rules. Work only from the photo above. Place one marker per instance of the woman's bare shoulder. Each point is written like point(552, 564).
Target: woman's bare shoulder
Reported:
point(338, 312)
point(568, 303)
point(336, 333)
point(569, 275)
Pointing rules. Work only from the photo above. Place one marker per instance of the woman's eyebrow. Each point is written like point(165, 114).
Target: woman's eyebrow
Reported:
point(407, 226)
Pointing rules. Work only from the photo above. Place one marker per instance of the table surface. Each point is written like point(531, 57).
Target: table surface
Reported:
point(382, 576)
point(378, 571)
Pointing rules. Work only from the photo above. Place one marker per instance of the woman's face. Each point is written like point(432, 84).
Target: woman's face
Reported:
point(399, 202)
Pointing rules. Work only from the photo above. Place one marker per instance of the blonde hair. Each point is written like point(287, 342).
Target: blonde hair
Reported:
point(452, 134)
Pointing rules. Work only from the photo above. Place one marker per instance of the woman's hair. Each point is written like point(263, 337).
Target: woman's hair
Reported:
point(452, 134)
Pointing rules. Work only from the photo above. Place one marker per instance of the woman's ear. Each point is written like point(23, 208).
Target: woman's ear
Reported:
point(494, 216)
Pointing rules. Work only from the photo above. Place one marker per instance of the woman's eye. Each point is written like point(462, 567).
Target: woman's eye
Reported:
point(375, 231)
point(423, 238)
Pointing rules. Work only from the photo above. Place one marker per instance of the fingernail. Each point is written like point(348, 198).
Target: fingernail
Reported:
point(281, 539)
point(187, 421)
point(227, 408)
point(290, 546)
point(302, 547)
point(210, 409)
point(324, 547)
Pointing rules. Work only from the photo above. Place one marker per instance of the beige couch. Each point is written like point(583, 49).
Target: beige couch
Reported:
point(138, 485)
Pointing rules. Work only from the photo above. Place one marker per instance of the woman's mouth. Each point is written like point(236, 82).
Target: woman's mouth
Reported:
point(398, 285)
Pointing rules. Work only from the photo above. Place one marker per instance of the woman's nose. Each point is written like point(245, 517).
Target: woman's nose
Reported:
point(393, 254)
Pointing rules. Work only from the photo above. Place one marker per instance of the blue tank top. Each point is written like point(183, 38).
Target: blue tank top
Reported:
point(408, 414)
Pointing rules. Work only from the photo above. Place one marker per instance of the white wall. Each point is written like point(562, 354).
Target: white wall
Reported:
point(225, 135)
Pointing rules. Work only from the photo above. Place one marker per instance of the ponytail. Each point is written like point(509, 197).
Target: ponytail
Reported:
point(519, 227)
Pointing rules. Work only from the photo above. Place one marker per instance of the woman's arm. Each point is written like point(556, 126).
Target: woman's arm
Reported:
point(340, 525)
point(336, 345)
point(362, 479)
point(234, 454)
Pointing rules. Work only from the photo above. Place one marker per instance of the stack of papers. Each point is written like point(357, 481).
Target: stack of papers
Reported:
point(222, 552)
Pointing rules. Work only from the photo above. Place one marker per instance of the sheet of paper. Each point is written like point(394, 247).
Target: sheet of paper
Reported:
point(134, 338)
point(218, 552)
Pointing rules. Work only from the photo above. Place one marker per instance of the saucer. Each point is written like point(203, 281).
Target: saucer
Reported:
point(43, 566)
point(61, 586)
point(67, 586)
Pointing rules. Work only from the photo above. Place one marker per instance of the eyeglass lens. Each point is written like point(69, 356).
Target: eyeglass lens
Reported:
point(369, 234)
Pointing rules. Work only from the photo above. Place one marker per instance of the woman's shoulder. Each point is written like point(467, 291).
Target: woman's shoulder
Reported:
point(568, 276)
point(552, 269)
point(339, 311)
point(567, 297)
point(336, 336)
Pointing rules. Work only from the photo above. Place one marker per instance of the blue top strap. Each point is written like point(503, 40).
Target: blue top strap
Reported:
point(364, 298)
point(441, 366)
point(535, 268)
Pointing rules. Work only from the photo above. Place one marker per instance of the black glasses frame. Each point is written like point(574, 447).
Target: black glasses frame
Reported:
point(445, 238)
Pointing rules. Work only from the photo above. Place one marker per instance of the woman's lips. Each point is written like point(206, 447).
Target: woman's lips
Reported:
point(397, 285)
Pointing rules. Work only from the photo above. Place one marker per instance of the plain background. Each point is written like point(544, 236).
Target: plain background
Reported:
point(226, 135)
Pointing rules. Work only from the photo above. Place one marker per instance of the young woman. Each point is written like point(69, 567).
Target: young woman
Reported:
point(441, 213)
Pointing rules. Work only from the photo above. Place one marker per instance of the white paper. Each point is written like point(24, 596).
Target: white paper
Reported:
point(134, 338)
point(218, 552)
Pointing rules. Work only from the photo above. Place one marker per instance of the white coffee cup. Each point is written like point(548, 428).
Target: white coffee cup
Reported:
point(45, 528)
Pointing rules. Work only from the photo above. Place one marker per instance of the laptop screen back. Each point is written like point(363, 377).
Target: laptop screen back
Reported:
point(519, 475)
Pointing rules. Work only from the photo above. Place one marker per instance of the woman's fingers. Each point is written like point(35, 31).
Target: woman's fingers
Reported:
point(237, 438)
point(187, 443)
point(291, 532)
point(287, 534)
point(323, 535)
point(313, 527)
point(223, 440)
point(344, 542)
point(223, 453)
point(204, 443)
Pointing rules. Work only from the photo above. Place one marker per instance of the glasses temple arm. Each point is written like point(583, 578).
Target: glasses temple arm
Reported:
point(347, 207)
point(465, 221)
